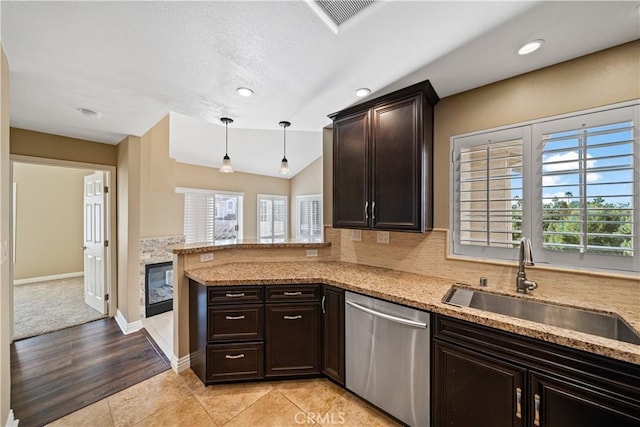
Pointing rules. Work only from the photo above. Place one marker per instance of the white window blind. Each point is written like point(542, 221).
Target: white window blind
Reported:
point(571, 184)
point(588, 186)
point(488, 192)
point(309, 212)
point(211, 216)
point(272, 217)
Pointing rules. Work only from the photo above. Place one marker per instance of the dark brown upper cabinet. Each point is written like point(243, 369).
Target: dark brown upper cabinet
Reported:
point(383, 162)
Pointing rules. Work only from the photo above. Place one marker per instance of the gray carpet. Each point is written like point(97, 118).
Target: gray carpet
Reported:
point(43, 307)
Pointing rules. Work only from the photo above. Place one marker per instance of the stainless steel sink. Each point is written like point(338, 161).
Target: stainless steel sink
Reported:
point(590, 322)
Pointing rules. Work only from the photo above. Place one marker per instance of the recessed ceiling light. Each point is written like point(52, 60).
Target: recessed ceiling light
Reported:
point(88, 113)
point(362, 92)
point(530, 47)
point(244, 91)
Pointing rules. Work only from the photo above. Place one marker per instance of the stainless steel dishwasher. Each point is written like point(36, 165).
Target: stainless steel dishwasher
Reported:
point(387, 357)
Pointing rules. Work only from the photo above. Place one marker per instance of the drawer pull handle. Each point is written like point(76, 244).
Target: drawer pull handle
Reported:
point(366, 210)
point(299, 316)
point(518, 402)
point(234, 317)
point(292, 294)
point(324, 297)
point(536, 416)
point(240, 295)
point(373, 210)
point(234, 356)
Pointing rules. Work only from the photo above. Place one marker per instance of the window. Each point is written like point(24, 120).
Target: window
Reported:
point(309, 209)
point(571, 184)
point(211, 216)
point(272, 218)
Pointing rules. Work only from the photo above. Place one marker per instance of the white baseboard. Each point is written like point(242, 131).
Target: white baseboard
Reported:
point(181, 364)
point(48, 278)
point(11, 421)
point(126, 327)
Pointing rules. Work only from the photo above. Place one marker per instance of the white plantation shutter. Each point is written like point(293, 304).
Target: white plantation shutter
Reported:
point(588, 188)
point(488, 193)
point(272, 217)
point(198, 217)
point(309, 209)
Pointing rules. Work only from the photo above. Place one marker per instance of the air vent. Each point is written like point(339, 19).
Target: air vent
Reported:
point(341, 10)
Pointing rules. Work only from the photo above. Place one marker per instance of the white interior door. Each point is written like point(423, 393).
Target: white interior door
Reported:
point(95, 271)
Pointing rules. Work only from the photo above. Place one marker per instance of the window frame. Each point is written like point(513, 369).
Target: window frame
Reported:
point(532, 132)
point(286, 217)
point(301, 199)
point(239, 209)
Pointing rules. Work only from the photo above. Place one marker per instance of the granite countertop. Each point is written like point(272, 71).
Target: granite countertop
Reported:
point(415, 290)
point(197, 248)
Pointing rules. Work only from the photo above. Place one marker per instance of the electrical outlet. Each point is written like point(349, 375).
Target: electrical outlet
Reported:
point(383, 237)
point(312, 252)
point(356, 235)
point(206, 257)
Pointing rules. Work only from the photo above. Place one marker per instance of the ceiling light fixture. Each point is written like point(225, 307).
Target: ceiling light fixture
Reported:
point(284, 165)
point(88, 113)
point(362, 92)
point(244, 91)
point(226, 161)
point(530, 47)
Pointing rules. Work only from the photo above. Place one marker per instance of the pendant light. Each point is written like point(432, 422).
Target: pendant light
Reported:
point(226, 161)
point(284, 165)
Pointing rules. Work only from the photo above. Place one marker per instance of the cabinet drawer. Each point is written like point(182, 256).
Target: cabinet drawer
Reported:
point(235, 323)
point(286, 293)
point(228, 362)
point(235, 294)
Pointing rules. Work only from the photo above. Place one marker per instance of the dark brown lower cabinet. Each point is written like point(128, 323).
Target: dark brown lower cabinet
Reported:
point(333, 333)
point(476, 391)
point(292, 339)
point(484, 377)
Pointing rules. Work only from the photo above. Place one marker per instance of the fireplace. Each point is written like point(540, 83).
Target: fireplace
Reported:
point(158, 286)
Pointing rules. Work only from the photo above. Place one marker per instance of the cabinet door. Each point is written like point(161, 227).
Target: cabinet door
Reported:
point(472, 390)
point(333, 333)
point(559, 403)
point(351, 171)
point(398, 153)
point(292, 339)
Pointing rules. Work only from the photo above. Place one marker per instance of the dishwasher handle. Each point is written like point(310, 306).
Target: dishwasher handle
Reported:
point(400, 320)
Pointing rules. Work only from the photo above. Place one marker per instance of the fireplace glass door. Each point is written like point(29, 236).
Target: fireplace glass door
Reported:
point(158, 280)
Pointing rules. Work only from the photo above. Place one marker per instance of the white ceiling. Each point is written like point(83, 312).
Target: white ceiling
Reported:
point(136, 61)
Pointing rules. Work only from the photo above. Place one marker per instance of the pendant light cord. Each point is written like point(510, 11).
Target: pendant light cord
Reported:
point(226, 138)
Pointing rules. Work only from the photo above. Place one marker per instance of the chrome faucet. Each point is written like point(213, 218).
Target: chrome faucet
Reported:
point(526, 258)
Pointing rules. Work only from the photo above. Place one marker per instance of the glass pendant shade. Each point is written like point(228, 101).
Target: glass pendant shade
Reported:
point(226, 160)
point(284, 164)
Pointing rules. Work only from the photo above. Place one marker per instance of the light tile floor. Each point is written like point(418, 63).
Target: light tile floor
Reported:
point(171, 399)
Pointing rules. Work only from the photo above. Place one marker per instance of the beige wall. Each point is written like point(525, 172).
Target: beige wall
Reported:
point(5, 242)
point(48, 146)
point(602, 78)
point(128, 213)
point(307, 181)
point(161, 209)
point(49, 220)
point(192, 176)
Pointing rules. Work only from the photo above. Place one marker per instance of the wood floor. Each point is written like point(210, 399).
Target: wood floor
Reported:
point(58, 373)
